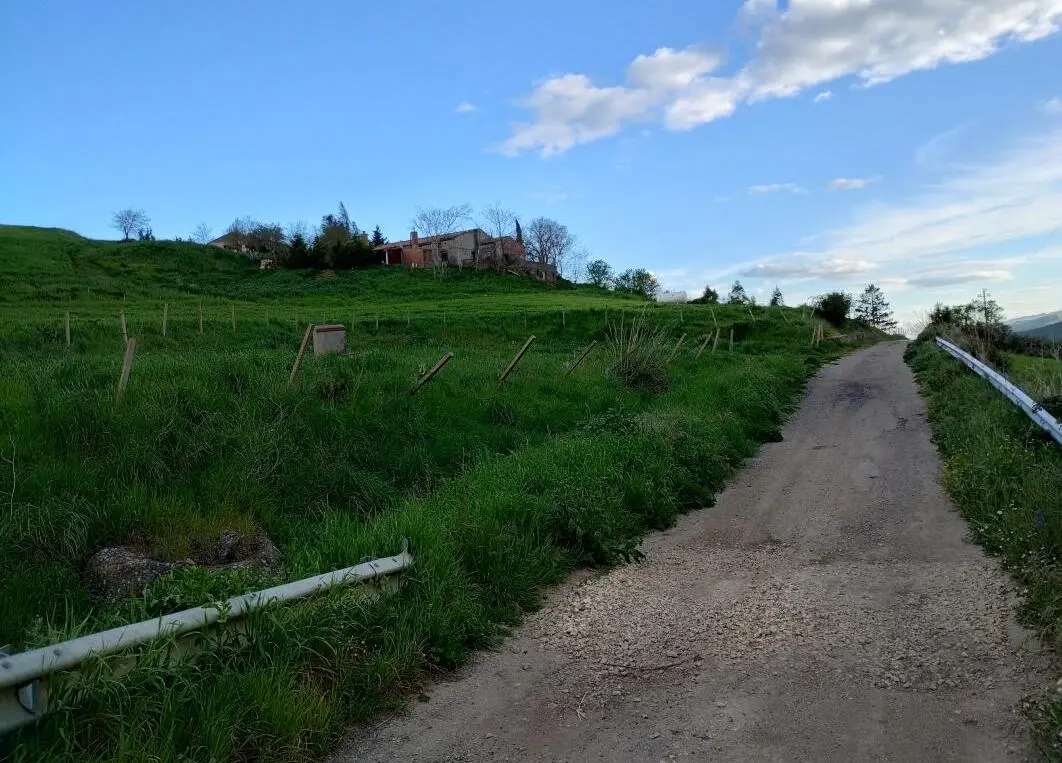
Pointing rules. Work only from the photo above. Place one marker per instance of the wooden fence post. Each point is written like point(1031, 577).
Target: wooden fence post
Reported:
point(700, 350)
point(165, 316)
point(234, 320)
point(715, 341)
point(731, 339)
point(302, 351)
point(509, 369)
point(751, 314)
point(67, 328)
point(121, 324)
point(578, 360)
point(435, 369)
point(675, 350)
point(127, 365)
point(712, 311)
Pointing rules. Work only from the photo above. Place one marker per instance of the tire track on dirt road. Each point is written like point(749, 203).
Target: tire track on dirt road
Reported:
point(827, 608)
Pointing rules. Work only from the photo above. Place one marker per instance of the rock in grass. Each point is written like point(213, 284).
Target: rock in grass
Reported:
point(124, 571)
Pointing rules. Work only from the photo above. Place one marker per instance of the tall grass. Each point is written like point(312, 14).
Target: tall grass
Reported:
point(1005, 475)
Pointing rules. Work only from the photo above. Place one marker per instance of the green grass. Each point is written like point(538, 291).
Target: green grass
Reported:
point(501, 488)
point(1041, 377)
point(1005, 474)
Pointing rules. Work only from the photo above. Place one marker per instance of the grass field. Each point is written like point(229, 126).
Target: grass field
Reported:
point(1005, 474)
point(500, 487)
point(1041, 377)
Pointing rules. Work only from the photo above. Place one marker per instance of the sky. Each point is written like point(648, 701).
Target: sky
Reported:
point(812, 144)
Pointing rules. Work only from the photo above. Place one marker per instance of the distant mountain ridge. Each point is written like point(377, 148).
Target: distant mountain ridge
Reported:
point(1032, 324)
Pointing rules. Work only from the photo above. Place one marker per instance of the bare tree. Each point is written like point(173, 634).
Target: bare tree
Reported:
point(239, 232)
point(298, 228)
point(127, 221)
point(550, 243)
point(435, 222)
point(202, 234)
point(498, 222)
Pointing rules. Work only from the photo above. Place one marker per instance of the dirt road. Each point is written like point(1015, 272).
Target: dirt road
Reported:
point(827, 608)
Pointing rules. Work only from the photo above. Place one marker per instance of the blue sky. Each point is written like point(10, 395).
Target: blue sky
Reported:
point(814, 143)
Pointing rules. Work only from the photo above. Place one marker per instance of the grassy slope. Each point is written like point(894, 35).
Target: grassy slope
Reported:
point(1006, 476)
point(500, 488)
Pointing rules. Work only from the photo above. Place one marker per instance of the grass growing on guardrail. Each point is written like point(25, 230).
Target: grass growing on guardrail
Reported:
point(1005, 474)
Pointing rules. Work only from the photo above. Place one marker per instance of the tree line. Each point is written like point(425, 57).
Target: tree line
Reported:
point(338, 243)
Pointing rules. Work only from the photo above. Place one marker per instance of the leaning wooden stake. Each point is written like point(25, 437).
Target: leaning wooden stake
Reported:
point(675, 350)
point(165, 316)
point(234, 320)
point(753, 315)
point(509, 370)
point(127, 365)
point(715, 341)
point(302, 351)
point(67, 328)
point(121, 324)
point(700, 350)
point(731, 339)
point(580, 359)
point(435, 369)
point(712, 311)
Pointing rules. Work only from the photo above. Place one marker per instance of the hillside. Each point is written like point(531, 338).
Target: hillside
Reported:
point(1052, 332)
point(48, 269)
point(501, 488)
point(1029, 323)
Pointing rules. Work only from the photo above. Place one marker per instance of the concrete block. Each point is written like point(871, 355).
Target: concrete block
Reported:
point(329, 337)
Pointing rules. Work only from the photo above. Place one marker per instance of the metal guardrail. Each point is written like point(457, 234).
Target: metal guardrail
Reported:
point(1012, 392)
point(24, 677)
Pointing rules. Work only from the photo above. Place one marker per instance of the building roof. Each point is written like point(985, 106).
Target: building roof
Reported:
point(422, 240)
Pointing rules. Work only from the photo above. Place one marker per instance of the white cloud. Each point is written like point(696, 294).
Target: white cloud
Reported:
point(465, 107)
point(939, 146)
point(668, 69)
point(851, 184)
point(805, 43)
point(808, 268)
point(985, 223)
point(1052, 105)
point(825, 95)
point(761, 190)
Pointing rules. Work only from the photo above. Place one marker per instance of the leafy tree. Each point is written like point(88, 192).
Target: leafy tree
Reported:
point(299, 254)
point(599, 273)
point(873, 310)
point(738, 295)
point(128, 221)
point(985, 311)
point(378, 238)
point(638, 281)
point(951, 315)
point(145, 234)
point(834, 307)
point(709, 297)
point(776, 298)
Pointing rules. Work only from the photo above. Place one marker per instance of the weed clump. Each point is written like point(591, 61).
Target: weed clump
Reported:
point(638, 355)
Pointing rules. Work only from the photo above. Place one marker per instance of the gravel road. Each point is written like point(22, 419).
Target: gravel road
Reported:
point(827, 608)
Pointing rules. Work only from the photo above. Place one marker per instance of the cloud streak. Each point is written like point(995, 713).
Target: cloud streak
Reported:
point(851, 184)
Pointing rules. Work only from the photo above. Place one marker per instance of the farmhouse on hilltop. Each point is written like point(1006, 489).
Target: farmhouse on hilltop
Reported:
point(474, 248)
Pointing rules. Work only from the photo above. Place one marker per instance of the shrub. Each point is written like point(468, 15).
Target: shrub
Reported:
point(834, 307)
